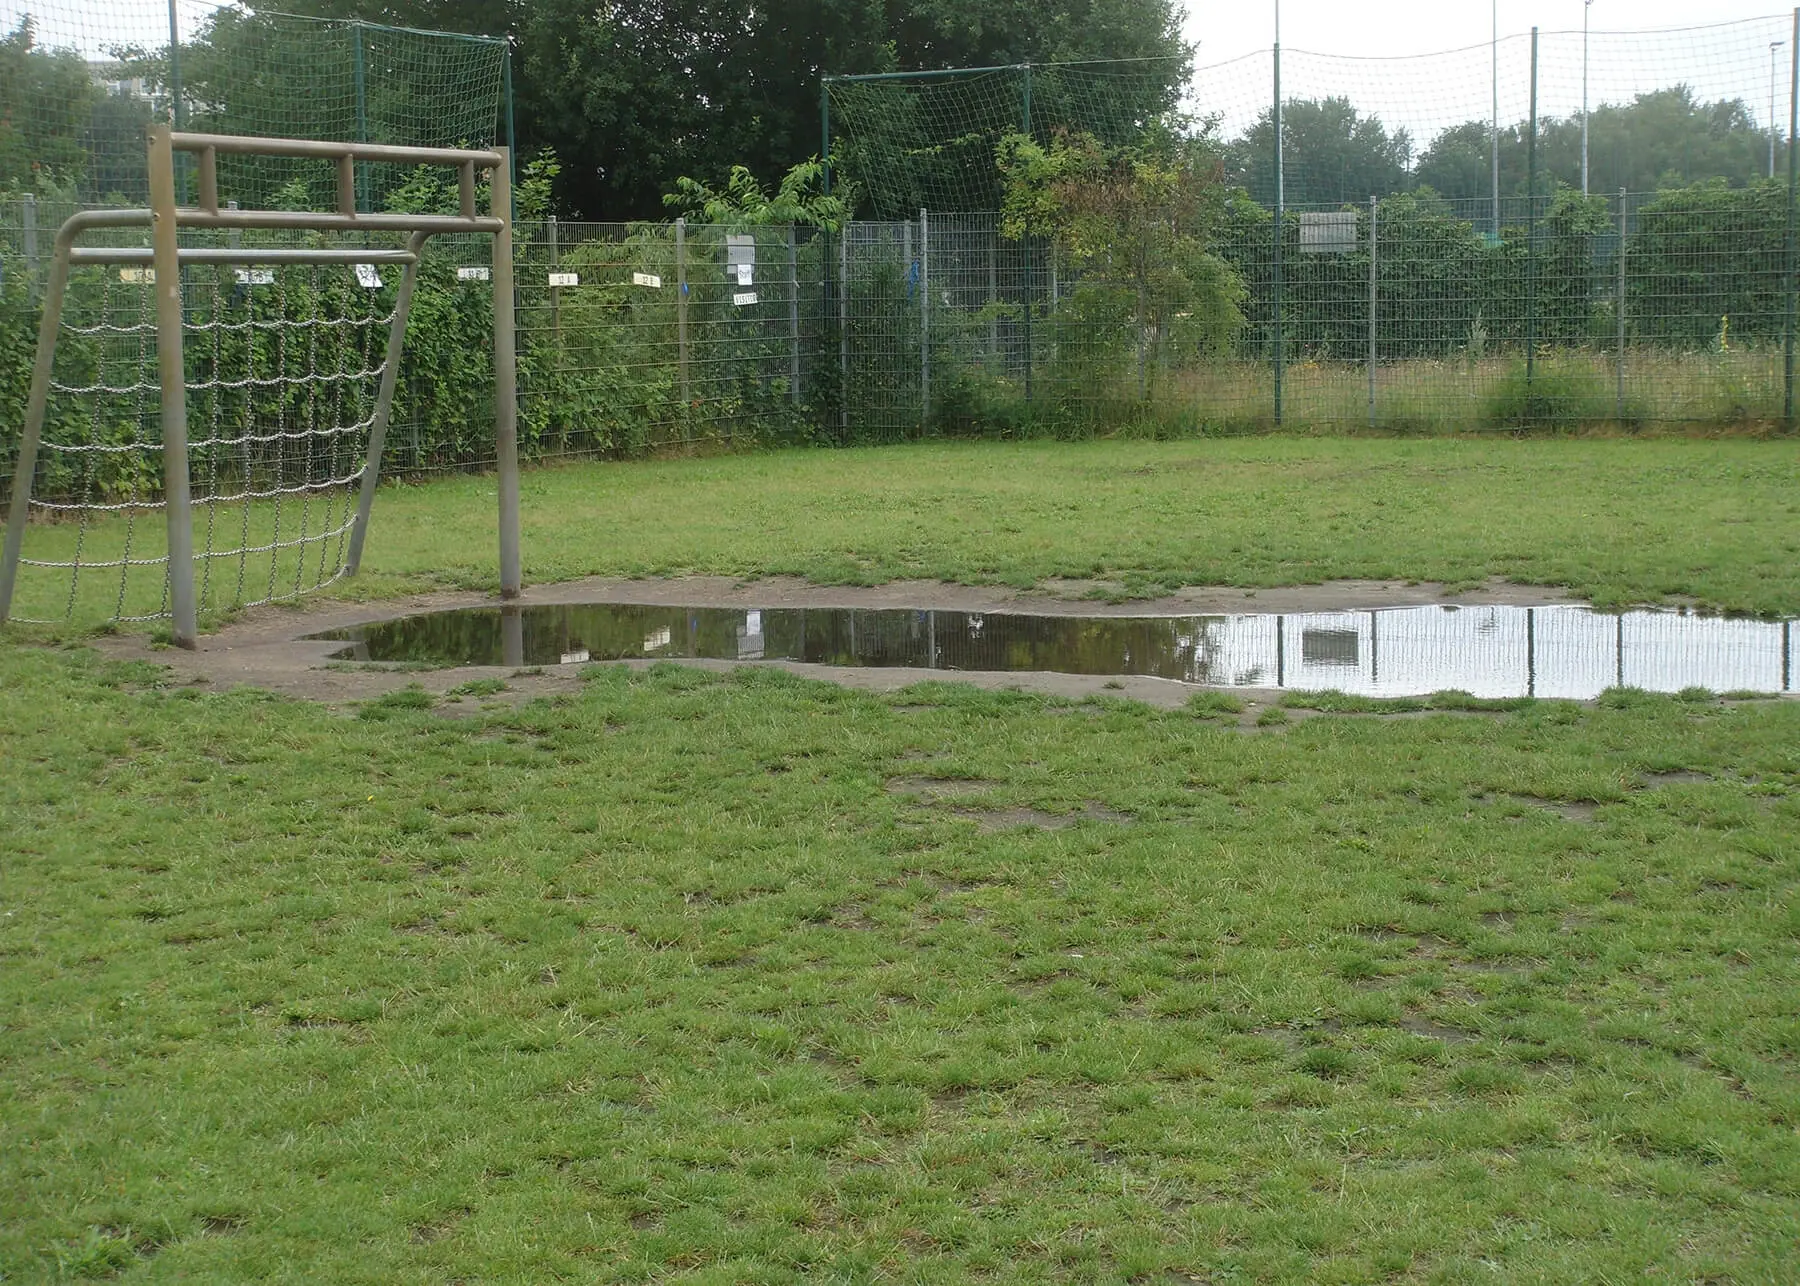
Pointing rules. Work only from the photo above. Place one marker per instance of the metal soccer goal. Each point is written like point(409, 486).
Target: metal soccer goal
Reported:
point(207, 413)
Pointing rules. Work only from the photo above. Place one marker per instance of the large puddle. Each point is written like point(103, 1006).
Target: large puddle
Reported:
point(1565, 651)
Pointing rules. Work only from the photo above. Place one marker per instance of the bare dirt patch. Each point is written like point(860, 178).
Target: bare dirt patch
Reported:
point(1567, 809)
point(1000, 819)
point(939, 787)
point(1678, 778)
point(1436, 1031)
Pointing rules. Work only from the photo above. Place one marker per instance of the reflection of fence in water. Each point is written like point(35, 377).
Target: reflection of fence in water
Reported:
point(1568, 652)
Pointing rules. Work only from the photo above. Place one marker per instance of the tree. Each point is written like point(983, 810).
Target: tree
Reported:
point(46, 99)
point(1663, 139)
point(1134, 227)
point(744, 203)
point(633, 94)
point(1331, 154)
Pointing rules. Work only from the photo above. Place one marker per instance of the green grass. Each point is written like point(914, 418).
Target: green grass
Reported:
point(695, 978)
point(717, 979)
point(1619, 522)
point(1616, 521)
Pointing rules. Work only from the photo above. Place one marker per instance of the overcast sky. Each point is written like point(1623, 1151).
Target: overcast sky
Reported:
point(1380, 55)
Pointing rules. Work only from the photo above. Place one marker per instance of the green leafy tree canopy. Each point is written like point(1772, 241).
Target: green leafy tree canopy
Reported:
point(744, 202)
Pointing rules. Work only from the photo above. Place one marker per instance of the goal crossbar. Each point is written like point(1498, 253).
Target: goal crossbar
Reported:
point(165, 256)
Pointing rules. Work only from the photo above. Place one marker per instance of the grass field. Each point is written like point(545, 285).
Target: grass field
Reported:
point(748, 979)
point(1616, 521)
point(741, 978)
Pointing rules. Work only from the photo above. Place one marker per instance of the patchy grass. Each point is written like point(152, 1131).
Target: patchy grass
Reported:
point(1615, 521)
point(666, 982)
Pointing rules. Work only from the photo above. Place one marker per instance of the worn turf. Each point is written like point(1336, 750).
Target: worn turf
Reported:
point(746, 979)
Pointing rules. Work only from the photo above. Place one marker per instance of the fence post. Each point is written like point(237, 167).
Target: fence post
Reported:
point(681, 312)
point(1374, 208)
point(1025, 241)
point(1619, 308)
point(172, 376)
point(794, 314)
point(924, 320)
point(1143, 375)
point(1280, 219)
point(844, 333)
point(1793, 250)
point(993, 299)
point(29, 218)
point(1025, 296)
point(555, 291)
point(1531, 173)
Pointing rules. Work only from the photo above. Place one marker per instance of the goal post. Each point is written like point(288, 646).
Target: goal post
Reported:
point(161, 265)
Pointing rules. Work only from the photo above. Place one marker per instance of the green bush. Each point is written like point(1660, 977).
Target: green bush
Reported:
point(1560, 393)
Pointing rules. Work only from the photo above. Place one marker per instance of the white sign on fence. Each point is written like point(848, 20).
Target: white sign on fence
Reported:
point(578, 657)
point(256, 276)
point(368, 276)
point(744, 300)
point(746, 274)
point(565, 279)
point(1328, 232)
point(649, 279)
point(474, 274)
point(138, 276)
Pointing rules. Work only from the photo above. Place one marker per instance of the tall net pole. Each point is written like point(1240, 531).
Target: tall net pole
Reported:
point(1531, 228)
point(1494, 123)
point(1792, 237)
point(1280, 235)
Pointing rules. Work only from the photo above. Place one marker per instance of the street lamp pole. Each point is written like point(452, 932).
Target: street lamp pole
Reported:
point(1586, 8)
point(1773, 46)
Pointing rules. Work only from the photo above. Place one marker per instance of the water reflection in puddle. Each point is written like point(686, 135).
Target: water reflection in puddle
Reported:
point(1562, 651)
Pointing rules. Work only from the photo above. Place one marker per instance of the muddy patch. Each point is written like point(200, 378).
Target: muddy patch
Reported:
point(1681, 777)
point(1003, 819)
point(939, 787)
point(1436, 1031)
point(1570, 810)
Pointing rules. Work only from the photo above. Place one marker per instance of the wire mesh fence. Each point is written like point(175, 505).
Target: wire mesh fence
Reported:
point(1417, 254)
point(84, 78)
point(1401, 314)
